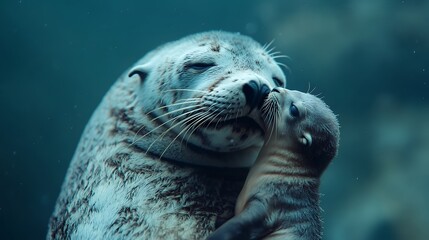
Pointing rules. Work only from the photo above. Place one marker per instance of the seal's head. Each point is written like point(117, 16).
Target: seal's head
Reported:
point(304, 123)
point(208, 88)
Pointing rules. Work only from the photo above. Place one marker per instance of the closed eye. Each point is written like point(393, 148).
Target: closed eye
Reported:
point(199, 66)
point(278, 82)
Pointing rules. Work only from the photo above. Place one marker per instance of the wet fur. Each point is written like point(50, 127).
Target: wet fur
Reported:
point(280, 199)
point(148, 168)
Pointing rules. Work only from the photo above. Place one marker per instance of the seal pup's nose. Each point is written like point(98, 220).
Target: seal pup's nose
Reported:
point(255, 93)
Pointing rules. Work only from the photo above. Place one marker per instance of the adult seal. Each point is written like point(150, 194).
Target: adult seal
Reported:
point(166, 153)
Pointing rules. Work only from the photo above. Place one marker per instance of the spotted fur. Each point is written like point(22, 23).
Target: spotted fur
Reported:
point(280, 199)
point(166, 153)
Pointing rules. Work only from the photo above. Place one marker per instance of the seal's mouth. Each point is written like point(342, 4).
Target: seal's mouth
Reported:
point(253, 120)
point(237, 124)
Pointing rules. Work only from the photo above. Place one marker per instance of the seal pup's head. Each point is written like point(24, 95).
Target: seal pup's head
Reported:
point(207, 89)
point(305, 124)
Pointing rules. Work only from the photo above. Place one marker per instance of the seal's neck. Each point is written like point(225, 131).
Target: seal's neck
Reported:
point(277, 163)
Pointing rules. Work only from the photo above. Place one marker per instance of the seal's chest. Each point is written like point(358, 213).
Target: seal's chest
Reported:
point(180, 198)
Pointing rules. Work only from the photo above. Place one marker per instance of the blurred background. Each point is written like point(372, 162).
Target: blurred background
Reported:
point(369, 59)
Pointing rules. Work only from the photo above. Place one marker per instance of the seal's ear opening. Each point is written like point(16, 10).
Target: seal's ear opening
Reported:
point(306, 139)
point(141, 70)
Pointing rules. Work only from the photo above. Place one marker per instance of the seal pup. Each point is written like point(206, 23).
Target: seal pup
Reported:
point(280, 198)
point(167, 151)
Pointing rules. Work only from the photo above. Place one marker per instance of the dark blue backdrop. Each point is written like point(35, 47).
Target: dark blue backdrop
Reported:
point(369, 59)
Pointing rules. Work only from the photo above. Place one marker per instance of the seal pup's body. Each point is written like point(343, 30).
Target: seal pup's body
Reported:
point(166, 153)
point(280, 199)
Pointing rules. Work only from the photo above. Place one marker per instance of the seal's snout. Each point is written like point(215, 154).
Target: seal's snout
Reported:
point(255, 93)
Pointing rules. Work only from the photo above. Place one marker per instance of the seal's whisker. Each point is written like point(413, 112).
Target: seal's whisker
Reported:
point(267, 45)
point(220, 119)
point(309, 87)
point(174, 111)
point(197, 124)
point(189, 127)
point(282, 64)
point(173, 126)
point(319, 95)
point(270, 50)
point(238, 113)
point(184, 101)
point(311, 92)
point(157, 127)
point(190, 118)
point(215, 117)
point(185, 90)
point(211, 114)
point(206, 115)
point(274, 56)
point(224, 118)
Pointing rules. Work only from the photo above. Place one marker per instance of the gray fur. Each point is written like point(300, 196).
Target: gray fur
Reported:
point(280, 199)
point(137, 174)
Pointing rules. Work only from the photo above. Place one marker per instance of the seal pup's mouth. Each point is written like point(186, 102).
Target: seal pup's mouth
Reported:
point(270, 109)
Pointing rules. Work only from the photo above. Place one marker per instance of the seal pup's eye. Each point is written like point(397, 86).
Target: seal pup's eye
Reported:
point(294, 112)
point(278, 82)
point(199, 66)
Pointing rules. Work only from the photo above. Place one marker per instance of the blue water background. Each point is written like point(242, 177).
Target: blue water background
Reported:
point(368, 59)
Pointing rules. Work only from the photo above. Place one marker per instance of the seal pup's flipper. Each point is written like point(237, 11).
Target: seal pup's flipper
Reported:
point(248, 225)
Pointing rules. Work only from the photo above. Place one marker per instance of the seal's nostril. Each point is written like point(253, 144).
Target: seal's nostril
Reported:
point(250, 91)
point(265, 90)
point(255, 93)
